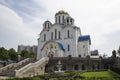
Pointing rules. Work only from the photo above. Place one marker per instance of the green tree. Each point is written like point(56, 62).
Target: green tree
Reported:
point(25, 54)
point(118, 51)
point(13, 54)
point(3, 50)
point(3, 54)
point(32, 55)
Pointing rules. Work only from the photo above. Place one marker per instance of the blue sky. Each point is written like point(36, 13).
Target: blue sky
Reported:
point(21, 21)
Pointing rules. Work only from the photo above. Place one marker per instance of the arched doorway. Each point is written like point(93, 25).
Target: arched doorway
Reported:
point(83, 67)
point(93, 67)
point(76, 67)
point(46, 68)
point(50, 55)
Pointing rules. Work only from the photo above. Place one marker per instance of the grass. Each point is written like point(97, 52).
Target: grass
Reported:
point(107, 74)
point(91, 75)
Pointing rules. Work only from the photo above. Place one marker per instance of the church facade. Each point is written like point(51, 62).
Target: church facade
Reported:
point(62, 38)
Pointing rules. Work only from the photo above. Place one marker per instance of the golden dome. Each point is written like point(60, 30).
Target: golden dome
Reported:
point(61, 12)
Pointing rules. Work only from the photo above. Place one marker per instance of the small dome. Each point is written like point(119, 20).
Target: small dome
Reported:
point(47, 21)
point(61, 12)
point(46, 25)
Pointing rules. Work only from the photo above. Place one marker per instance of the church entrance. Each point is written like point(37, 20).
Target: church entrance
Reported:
point(51, 54)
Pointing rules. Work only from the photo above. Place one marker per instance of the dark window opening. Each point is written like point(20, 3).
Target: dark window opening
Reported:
point(93, 67)
point(51, 35)
point(59, 19)
point(71, 20)
point(63, 19)
point(76, 67)
point(68, 33)
point(59, 34)
point(67, 21)
point(45, 26)
point(83, 67)
point(68, 47)
point(98, 66)
point(83, 46)
point(55, 33)
point(48, 25)
point(56, 19)
point(44, 37)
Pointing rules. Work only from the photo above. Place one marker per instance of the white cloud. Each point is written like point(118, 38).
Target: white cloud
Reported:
point(14, 31)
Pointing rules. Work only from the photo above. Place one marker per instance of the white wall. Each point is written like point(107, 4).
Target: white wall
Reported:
point(75, 47)
point(84, 48)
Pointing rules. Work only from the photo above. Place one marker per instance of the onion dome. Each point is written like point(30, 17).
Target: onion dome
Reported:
point(61, 12)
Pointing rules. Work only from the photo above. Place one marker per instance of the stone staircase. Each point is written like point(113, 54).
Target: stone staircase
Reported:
point(33, 69)
point(9, 70)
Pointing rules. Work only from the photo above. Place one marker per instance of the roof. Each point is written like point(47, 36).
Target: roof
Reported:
point(84, 38)
point(60, 46)
point(75, 27)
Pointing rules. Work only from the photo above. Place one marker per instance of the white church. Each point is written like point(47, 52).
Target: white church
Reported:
point(62, 38)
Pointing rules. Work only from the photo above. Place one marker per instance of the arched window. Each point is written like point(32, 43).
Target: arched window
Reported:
point(83, 67)
point(71, 20)
point(44, 37)
point(56, 19)
point(48, 25)
point(59, 19)
point(98, 66)
point(93, 67)
point(67, 21)
point(59, 35)
point(68, 47)
point(76, 67)
point(68, 33)
point(63, 19)
point(45, 26)
point(51, 35)
point(55, 33)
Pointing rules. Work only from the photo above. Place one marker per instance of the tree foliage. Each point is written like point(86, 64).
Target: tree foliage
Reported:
point(27, 54)
point(13, 54)
point(10, 54)
point(3, 54)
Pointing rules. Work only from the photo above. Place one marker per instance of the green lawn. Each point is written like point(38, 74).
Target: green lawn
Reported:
point(99, 74)
point(94, 75)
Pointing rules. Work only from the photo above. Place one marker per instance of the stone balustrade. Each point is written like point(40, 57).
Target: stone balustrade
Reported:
point(32, 69)
point(13, 65)
point(23, 61)
point(7, 67)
